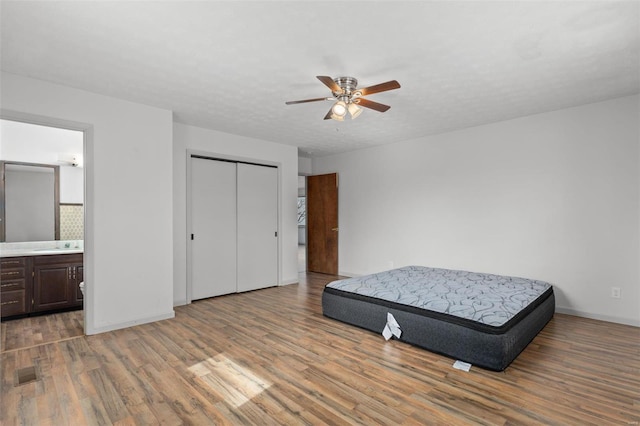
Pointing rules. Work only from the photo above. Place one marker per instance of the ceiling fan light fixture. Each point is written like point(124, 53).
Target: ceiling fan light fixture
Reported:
point(339, 109)
point(354, 110)
point(348, 98)
point(337, 117)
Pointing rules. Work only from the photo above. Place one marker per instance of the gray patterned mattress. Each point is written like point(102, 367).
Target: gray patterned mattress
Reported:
point(483, 319)
point(487, 299)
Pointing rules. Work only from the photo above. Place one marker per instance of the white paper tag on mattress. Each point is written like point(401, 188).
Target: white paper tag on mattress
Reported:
point(392, 328)
point(461, 365)
point(386, 333)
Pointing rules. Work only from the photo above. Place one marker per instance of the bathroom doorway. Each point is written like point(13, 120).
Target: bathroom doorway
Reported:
point(31, 145)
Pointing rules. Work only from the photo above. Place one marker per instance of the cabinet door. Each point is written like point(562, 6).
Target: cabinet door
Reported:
point(51, 287)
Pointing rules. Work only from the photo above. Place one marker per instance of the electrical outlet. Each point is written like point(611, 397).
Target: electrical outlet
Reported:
point(615, 292)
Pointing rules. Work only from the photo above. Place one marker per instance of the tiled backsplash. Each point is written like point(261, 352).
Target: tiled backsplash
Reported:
point(71, 221)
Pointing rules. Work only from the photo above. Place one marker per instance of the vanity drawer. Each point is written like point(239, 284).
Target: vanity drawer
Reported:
point(56, 259)
point(12, 262)
point(13, 284)
point(13, 303)
point(12, 274)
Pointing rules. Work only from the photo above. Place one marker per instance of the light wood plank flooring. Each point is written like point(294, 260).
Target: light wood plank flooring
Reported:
point(270, 357)
point(39, 330)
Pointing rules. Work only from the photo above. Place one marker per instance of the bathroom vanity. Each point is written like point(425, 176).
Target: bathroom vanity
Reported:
point(40, 281)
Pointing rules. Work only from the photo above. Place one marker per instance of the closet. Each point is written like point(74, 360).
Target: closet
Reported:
point(233, 226)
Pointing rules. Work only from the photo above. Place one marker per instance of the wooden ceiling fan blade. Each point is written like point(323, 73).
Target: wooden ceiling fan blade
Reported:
point(382, 87)
point(328, 81)
point(373, 105)
point(306, 100)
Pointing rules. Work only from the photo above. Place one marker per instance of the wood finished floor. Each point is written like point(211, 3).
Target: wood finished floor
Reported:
point(38, 330)
point(270, 357)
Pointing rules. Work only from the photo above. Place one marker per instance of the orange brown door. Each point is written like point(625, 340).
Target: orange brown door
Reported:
point(322, 224)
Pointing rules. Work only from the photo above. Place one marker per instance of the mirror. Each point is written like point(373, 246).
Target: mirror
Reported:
point(30, 195)
point(42, 185)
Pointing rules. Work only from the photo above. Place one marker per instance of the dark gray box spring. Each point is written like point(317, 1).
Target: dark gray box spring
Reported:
point(493, 347)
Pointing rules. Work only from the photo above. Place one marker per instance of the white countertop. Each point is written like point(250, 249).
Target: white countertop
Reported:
point(41, 248)
point(40, 252)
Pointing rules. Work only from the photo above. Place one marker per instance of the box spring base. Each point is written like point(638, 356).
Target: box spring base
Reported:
point(487, 350)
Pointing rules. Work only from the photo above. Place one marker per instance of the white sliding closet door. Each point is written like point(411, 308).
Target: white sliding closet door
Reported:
point(213, 224)
point(257, 226)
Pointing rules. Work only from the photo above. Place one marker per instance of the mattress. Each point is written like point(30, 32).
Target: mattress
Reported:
point(482, 319)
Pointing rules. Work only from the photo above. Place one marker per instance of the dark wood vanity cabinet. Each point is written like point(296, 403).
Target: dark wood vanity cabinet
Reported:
point(36, 284)
point(56, 280)
point(15, 286)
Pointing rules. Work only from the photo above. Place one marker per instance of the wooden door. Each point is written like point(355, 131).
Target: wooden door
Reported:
point(257, 226)
point(322, 224)
point(213, 228)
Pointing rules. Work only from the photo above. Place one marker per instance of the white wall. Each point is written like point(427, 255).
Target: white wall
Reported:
point(553, 196)
point(71, 185)
point(128, 162)
point(38, 144)
point(304, 166)
point(231, 146)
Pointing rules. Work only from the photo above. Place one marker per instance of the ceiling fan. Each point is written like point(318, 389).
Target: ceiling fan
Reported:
point(348, 97)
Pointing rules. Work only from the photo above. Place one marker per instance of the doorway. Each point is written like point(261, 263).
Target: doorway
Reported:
point(61, 145)
point(302, 224)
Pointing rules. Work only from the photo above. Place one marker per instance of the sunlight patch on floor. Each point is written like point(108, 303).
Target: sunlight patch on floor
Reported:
point(233, 382)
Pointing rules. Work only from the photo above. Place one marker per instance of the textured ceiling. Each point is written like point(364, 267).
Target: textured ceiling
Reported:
point(231, 65)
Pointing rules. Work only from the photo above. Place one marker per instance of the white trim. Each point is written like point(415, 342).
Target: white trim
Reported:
point(189, 230)
point(121, 325)
point(88, 261)
point(607, 318)
point(289, 282)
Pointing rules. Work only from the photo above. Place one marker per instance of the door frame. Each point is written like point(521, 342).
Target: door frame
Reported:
point(89, 223)
point(233, 159)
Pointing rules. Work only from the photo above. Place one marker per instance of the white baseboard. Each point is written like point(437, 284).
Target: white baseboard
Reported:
point(287, 282)
point(608, 318)
point(126, 324)
point(180, 302)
